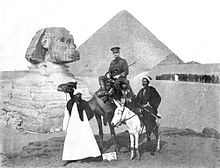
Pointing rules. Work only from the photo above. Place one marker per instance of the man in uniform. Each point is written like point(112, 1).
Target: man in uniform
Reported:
point(148, 99)
point(118, 70)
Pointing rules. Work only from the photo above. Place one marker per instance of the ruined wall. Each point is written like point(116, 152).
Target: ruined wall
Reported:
point(184, 104)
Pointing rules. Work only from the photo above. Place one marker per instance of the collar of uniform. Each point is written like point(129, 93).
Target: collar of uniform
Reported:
point(117, 59)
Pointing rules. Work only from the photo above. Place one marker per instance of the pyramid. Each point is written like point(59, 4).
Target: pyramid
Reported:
point(171, 59)
point(138, 45)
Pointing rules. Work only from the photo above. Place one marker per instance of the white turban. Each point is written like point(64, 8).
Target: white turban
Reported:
point(147, 77)
point(77, 91)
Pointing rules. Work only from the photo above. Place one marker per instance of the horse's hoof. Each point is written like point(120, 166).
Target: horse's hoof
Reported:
point(158, 149)
point(132, 157)
point(138, 156)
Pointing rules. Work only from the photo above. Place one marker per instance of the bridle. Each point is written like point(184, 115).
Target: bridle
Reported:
point(123, 121)
point(68, 92)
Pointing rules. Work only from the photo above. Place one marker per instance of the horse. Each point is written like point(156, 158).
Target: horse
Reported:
point(99, 108)
point(123, 114)
point(131, 103)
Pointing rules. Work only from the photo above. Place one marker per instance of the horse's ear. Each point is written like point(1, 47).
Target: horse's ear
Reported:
point(75, 83)
point(116, 103)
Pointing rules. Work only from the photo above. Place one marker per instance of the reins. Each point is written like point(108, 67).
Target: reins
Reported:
point(66, 95)
point(122, 121)
point(151, 113)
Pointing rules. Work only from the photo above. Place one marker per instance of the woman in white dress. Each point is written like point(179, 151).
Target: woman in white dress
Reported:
point(79, 142)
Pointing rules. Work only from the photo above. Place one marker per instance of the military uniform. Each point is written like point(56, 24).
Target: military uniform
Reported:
point(118, 66)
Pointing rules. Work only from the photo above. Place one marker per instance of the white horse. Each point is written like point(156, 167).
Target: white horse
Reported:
point(123, 114)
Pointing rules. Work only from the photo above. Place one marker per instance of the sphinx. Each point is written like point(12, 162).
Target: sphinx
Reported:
point(32, 102)
point(54, 45)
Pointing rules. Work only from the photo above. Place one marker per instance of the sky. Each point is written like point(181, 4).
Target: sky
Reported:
point(190, 28)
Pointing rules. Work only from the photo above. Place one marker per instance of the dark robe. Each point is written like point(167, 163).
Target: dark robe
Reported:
point(81, 105)
point(151, 96)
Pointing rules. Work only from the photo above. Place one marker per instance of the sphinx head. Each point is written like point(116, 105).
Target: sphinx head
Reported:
point(54, 45)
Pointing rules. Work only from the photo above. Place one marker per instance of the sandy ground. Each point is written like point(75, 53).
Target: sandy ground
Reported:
point(179, 148)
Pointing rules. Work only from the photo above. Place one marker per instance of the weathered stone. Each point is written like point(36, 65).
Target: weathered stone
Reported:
point(31, 101)
point(54, 45)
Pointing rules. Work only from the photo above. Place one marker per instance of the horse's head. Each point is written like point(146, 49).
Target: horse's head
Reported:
point(67, 87)
point(118, 114)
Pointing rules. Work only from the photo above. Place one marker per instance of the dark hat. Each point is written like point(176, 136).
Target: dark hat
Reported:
point(115, 49)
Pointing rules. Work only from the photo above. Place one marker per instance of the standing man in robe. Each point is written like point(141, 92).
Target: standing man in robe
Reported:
point(80, 142)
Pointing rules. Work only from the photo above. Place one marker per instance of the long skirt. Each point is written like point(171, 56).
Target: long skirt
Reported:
point(80, 142)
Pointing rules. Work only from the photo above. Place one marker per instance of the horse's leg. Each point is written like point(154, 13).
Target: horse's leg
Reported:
point(99, 121)
point(157, 135)
point(148, 136)
point(112, 131)
point(132, 142)
point(147, 131)
point(136, 145)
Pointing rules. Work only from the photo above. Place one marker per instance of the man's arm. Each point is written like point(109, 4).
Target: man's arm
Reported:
point(138, 97)
point(110, 69)
point(125, 69)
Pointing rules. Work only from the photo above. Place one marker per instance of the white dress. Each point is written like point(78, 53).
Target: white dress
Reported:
point(79, 141)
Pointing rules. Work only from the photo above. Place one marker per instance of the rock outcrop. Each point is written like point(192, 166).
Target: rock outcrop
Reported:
point(31, 102)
